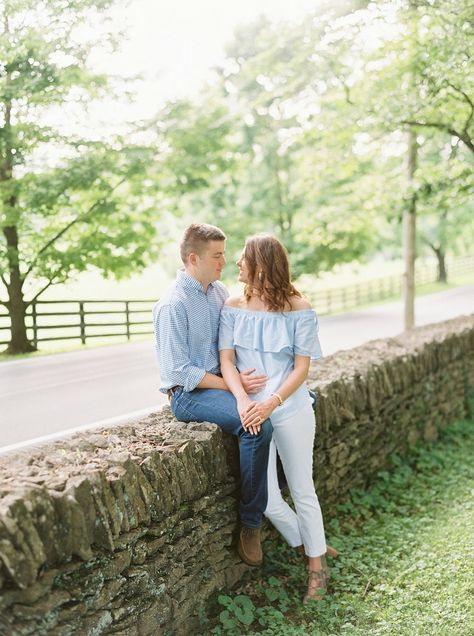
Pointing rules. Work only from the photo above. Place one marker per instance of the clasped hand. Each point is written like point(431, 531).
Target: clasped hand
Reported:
point(253, 414)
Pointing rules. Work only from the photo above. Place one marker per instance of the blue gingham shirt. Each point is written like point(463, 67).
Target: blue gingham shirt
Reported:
point(186, 322)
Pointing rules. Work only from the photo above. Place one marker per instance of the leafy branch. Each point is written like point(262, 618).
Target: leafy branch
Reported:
point(68, 226)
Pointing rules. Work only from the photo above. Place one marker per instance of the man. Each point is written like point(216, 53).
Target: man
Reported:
point(186, 324)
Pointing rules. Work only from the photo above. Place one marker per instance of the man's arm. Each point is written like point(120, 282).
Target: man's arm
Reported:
point(251, 383)
point(171, 331)
point(211, 381)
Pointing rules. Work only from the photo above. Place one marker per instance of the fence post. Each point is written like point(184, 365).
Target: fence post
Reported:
point(82, 322)
point(35, 324)
point(127, 318)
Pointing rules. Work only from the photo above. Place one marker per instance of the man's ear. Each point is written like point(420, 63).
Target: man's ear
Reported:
point(193, 259)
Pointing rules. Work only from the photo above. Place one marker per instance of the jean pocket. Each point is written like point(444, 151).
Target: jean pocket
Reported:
point(178, 406)
point(177, 392)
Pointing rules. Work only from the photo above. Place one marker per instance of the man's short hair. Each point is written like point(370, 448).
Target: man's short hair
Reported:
point(196, 237)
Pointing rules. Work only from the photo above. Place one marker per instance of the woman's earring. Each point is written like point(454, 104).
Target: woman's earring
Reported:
point(260, 276)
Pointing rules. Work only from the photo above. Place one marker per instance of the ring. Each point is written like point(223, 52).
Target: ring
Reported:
point(260, 418)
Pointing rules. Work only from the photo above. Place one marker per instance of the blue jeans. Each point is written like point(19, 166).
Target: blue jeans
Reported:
point(220, 407)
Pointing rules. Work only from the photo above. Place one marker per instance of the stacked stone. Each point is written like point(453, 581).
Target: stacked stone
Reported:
point(129, 527)
point(131, 530)
point(377, 399)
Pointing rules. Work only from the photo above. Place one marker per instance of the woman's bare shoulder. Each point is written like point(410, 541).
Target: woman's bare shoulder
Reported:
point(234, 301)
point(298, 303)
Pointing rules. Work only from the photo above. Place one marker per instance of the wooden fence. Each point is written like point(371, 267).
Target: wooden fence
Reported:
point(341, 299)
point(85, 320)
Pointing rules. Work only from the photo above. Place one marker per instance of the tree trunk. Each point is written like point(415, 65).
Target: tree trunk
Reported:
point(409, 237)
point(442, 270)
point(16, 305)
point(441, 258)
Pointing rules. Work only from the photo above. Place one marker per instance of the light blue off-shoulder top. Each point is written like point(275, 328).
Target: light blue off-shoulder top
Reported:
point(268, 342)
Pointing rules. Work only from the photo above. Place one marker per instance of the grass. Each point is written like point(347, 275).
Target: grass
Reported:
point(52, 348)
point(406, 557)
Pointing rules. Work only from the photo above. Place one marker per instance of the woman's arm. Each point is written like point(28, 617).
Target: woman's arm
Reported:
point(296, 378)
point(233, 381)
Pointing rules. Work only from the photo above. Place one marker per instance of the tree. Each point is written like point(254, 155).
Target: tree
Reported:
point(445, 194)
point(305, 132)
point(66, 203)
point(265, 86)
point(437, 97)
point(445, 78)
point(411, 78)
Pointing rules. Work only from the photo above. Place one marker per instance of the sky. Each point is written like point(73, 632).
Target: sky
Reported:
point(173, 44)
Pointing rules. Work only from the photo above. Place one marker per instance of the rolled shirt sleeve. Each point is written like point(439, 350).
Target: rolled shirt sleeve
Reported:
point(172, 348)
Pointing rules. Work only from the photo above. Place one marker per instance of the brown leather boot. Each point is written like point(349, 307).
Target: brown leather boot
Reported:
point(331, 552)
point(250, 549)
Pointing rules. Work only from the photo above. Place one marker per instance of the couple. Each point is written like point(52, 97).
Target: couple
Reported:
point(242, 363)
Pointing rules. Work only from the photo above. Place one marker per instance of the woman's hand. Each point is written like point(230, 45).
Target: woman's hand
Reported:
point(243, 403)
point(258, 412)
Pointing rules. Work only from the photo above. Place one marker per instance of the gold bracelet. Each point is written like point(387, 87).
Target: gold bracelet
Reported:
point(280, 399)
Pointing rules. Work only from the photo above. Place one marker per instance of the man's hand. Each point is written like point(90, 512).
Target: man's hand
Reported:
point(252, 383)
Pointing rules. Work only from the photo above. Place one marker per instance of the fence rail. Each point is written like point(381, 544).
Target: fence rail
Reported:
point(339, 299)
point(84, 320)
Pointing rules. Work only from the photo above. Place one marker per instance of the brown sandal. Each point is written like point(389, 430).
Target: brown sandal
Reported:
point(317, 583)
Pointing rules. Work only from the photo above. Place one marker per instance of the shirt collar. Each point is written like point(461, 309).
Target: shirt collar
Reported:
point(188, 282)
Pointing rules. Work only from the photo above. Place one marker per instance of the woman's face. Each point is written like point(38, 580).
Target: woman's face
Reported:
point(243, 271)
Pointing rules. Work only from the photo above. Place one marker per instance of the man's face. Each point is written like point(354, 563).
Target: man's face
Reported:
point(210, 264)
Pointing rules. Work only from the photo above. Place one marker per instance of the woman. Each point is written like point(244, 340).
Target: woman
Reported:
point(274, 330)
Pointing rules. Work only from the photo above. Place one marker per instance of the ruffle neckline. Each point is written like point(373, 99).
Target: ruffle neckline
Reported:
point(272, 331)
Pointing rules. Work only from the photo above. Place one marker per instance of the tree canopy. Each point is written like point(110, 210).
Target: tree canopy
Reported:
point(67, 202)
point(327, 132)
point(309, 126)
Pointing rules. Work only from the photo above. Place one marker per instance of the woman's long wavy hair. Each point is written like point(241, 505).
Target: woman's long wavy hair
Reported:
point(268, 272)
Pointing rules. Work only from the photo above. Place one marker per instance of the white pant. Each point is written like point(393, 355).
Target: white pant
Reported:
point(294, 438)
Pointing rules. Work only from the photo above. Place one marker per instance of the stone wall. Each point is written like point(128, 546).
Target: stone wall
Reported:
point(130, 530)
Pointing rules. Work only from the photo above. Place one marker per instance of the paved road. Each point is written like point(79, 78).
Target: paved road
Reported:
point(42, 397)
